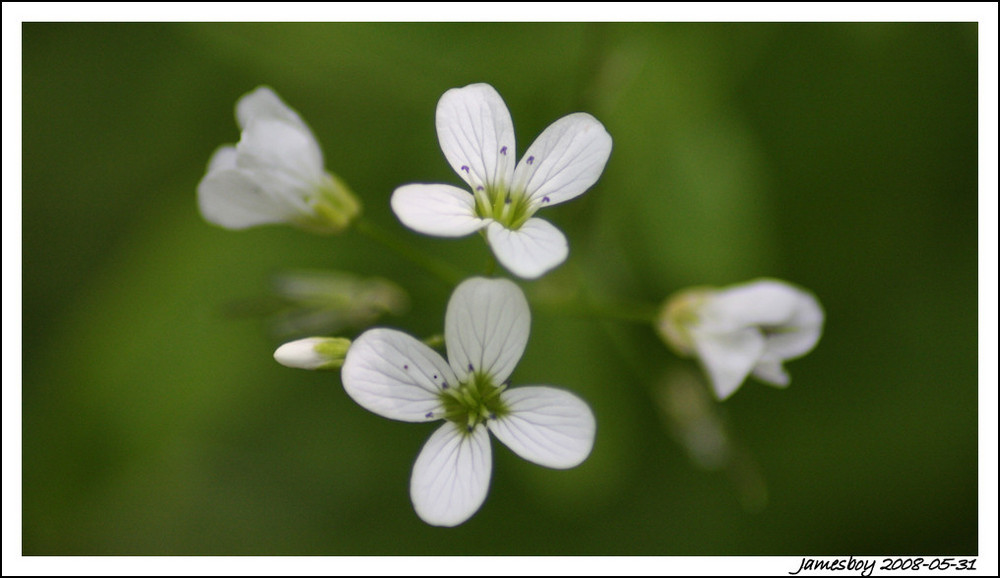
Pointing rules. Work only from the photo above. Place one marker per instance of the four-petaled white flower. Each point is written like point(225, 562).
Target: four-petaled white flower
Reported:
point(275, 174)
point(476, 133)
point(486, 329)
point(742, 330)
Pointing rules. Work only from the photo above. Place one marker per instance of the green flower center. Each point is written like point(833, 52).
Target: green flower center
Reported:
point(474, 401)
point(509, 208)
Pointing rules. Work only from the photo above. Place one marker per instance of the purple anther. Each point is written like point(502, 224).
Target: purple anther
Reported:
point(545, 199)
point(435, 376)
point(470, 367)
point(444, 385)
point(530, 160)
point(429, 415)
point(407, 367)
point(503, 150)
point(480, 188)
point(465, 168)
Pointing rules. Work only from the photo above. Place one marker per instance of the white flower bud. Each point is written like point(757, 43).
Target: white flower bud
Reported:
point(313, 353)
point(742, 330)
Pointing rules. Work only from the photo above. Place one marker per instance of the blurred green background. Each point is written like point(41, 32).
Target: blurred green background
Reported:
point(841, 157)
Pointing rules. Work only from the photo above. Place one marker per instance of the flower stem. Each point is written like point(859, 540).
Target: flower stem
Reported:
point(444, 272)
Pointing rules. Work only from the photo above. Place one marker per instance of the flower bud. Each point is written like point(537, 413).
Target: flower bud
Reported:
point(313, 353)
point(743, 330)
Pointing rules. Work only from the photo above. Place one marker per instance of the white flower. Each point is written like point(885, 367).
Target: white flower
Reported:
point(742, 330)
point(476, 134)
point(486, 329)
point(274, 174)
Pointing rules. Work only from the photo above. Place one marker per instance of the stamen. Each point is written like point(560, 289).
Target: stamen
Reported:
point(470, 367)
point(545, 199)
point(406, 367)
point(503, 150)
point(429, 415)
point(483, 201)
point(505, 212)
point(531, 160)
point(465, 168)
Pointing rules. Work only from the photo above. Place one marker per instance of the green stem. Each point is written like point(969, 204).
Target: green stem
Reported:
point(443, 271)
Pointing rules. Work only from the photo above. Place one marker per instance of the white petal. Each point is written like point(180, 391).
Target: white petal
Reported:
point(283, 148)
point(761, 302)
point(531, 251)
point(395, 376)
point(486, 327)
point(547, 426)
point(772, 372)
point(264, 103)
point(791, 318)
point(728, 358)
point(439, 210)
point(476, 135)
point(451, 476)
point(791, 341)
point(564, 161)
point(799, 334)
point(234, 199)
point(223, 158)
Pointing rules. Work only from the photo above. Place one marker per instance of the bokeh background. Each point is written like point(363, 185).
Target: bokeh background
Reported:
point(839, 156)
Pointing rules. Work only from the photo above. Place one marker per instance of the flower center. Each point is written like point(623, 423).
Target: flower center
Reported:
point(473, 402)
point(509, 208)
